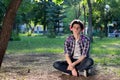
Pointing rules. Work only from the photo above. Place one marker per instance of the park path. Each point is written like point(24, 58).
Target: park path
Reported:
point(39, 67)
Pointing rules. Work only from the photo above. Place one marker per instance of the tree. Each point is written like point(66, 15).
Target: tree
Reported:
point(103, 15)
point(50, 13)
point(58, 18)
point(7, 26)
point(26, 14)
point(90, 34)
point(75, 4)
point(98, 18)
point(54, 17)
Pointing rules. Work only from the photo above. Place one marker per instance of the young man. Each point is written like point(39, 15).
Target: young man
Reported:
point(76, 50)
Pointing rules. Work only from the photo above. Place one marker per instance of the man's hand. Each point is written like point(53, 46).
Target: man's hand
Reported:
point(71, 67)
point(74, 72)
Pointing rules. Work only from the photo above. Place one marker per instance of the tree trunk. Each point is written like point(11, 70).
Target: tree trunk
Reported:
point(77, 12)
point(44, 19)
point(106, 28)
point(7, 26)
point(90, 21)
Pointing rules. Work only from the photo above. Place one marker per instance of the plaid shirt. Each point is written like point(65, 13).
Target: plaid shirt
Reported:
point(84, 44)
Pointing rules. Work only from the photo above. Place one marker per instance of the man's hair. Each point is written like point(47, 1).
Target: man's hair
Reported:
point(77, 21)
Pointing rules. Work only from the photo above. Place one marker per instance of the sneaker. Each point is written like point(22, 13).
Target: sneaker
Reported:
point(85, 73)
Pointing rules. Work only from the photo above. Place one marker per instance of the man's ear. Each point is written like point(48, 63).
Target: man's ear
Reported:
point(82, 30)
point(70, 28)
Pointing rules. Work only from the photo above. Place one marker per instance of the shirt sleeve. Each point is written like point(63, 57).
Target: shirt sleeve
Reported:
point(86, 47)
point(66, 47)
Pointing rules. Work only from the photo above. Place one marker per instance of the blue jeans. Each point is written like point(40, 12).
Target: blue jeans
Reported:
point(84, 65)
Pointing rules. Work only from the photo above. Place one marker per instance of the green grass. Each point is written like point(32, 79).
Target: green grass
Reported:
point(105, 51)
point(36, 44)
point(106, 45)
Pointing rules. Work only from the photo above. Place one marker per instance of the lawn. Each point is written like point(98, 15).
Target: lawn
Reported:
point(36, 44)
point(104, 51)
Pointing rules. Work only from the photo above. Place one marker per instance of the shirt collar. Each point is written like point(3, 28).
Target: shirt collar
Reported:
point(81, 37)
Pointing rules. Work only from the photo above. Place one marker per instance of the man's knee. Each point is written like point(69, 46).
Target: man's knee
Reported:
point(90, 61)
point(56, 64)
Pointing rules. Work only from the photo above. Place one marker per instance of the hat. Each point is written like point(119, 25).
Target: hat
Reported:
point(77, 21)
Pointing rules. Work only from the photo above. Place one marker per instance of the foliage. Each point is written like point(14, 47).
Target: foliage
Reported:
point(71, 2)
point(54, 18)
point(14, 36)
point(75, 4)
point(22, 17)
point(2, 11)
point(102, 17)
point(58, 1)
point(114, 7)
point(73, 10)
point(35, 11)
point(42, 13)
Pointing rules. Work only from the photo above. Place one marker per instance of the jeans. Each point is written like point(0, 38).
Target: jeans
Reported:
point(84, 65)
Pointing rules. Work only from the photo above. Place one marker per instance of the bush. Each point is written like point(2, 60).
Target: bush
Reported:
point(51, 34)
point(15, 36)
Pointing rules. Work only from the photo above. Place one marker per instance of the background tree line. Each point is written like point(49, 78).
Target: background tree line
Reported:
point(54, 12)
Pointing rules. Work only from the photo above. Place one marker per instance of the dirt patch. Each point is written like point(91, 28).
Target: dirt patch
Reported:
point(39, 67)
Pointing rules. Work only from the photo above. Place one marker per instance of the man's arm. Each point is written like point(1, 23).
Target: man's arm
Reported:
point(68, 59)
point(66, 51)
point(70, 66)
point(67, 55)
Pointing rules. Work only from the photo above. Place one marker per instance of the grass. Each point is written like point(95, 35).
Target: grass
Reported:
point(36, 44)
point(105, 51)
point(106, 45)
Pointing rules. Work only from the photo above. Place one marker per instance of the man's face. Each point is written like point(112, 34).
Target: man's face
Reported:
point(76, 29)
